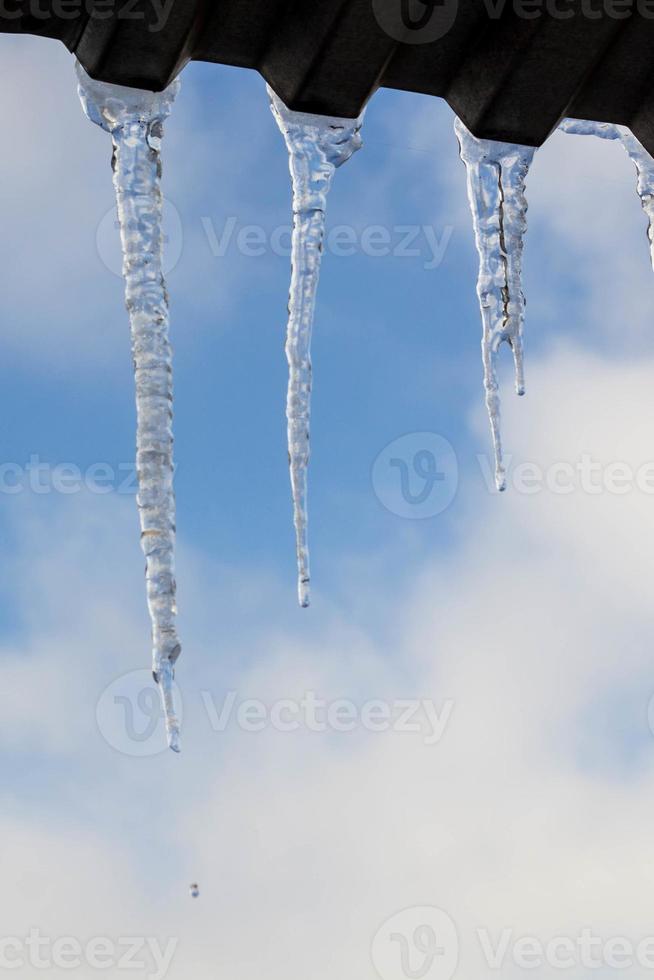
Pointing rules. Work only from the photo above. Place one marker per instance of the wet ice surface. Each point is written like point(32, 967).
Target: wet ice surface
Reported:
point(640, 157)
point(496, 175)
point(134, 118)
point(584, 127)
point(317, 146)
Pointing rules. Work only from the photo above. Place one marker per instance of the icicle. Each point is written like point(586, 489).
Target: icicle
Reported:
point(135, 118)
point(644, 164)
point(640, 157)
point(317, 146)
point(584, 127)
point(496, 191)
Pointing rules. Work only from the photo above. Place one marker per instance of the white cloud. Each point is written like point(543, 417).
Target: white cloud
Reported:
point(536, 623)
point(304, 843)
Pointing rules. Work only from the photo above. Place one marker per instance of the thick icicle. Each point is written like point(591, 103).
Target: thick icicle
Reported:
point(496, 190)
point(317, 146)
point(135, 119)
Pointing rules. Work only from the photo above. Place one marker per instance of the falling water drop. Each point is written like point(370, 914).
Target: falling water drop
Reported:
point(134, 118)
point(317, 146)
point(496, 190)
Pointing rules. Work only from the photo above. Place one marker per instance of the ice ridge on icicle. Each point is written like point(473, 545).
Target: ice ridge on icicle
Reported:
point(317, 146)
point(496, 175)
point(134, 118)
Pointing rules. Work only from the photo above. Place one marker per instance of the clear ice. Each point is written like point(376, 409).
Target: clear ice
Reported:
point(134, 118)
point(640, 157)
point(496, 175)
point(317, 146)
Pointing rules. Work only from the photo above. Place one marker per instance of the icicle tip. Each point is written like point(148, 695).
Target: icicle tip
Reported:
point(303, 593)
point(164, 676)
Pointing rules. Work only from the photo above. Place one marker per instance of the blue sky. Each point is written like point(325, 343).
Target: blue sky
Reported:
point(528, 614)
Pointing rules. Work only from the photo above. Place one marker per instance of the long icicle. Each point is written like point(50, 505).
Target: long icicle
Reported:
point(134, 118)
point(317, 146)
point(496, 175)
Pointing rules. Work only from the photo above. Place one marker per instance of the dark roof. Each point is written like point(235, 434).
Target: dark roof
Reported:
point(510, 68)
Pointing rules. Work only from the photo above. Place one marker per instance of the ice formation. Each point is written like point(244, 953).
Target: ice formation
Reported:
point(496, 190)
point(134, 118)
point(640, 157)
point(317, 146)
point(496, 175)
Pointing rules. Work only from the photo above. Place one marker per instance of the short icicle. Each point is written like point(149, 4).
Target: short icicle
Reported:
point(134, 118)
point(317, 146)
point(496, 190)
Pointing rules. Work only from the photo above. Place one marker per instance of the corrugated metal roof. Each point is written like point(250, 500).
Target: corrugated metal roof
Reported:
point(510, 68)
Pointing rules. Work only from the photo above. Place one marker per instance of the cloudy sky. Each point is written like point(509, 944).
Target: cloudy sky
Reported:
point(445, 767)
